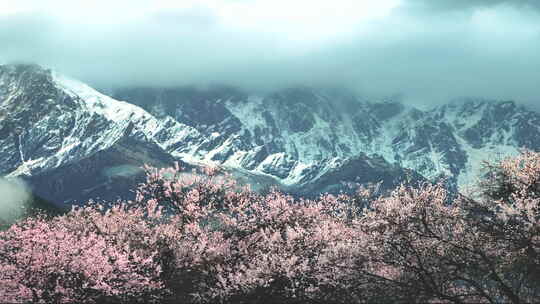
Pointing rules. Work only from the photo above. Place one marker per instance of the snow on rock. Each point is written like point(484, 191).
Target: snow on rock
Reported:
point(294, 136)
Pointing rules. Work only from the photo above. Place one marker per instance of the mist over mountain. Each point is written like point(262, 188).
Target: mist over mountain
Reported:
point(429, 51)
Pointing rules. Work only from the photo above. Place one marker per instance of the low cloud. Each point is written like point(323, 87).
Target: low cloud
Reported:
point(428, 51)
point(14, 196)
point(123, 171)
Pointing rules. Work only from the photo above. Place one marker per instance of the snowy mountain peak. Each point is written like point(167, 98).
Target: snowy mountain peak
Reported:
point(300, 138)
point(298, 134)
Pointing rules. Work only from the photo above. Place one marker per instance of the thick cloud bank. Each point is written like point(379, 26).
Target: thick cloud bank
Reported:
point(427, 50)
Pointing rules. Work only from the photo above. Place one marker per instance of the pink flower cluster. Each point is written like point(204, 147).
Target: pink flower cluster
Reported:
point(200, 237)
point(85, 256)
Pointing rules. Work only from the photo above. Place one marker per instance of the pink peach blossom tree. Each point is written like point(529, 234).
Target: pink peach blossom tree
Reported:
point(200, 237)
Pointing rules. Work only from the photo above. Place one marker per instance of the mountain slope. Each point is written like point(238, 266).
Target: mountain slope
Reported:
point(298, 135)
point(61, 136)
point(73, 143)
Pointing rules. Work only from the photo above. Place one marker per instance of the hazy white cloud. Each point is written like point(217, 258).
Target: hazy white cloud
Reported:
point(14, 195)
point(428, 50)
point(460, 5)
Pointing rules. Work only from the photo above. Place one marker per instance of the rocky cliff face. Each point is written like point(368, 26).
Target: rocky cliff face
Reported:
point(299, 135)
point(73, 143)
point(62, 136)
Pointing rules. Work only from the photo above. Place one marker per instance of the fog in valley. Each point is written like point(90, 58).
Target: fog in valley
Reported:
point(14, 195)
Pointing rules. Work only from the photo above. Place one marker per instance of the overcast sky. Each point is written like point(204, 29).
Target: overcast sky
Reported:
point(427, 50)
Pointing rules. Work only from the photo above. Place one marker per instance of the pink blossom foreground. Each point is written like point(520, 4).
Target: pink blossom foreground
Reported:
point(202, 238)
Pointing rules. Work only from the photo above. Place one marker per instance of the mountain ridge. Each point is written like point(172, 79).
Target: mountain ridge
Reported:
point(302, 139)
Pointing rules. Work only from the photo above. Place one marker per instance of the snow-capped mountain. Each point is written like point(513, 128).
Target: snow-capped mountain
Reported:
point(299, 135)
point(296, 136)
point(71, 142)
point(66, 139)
